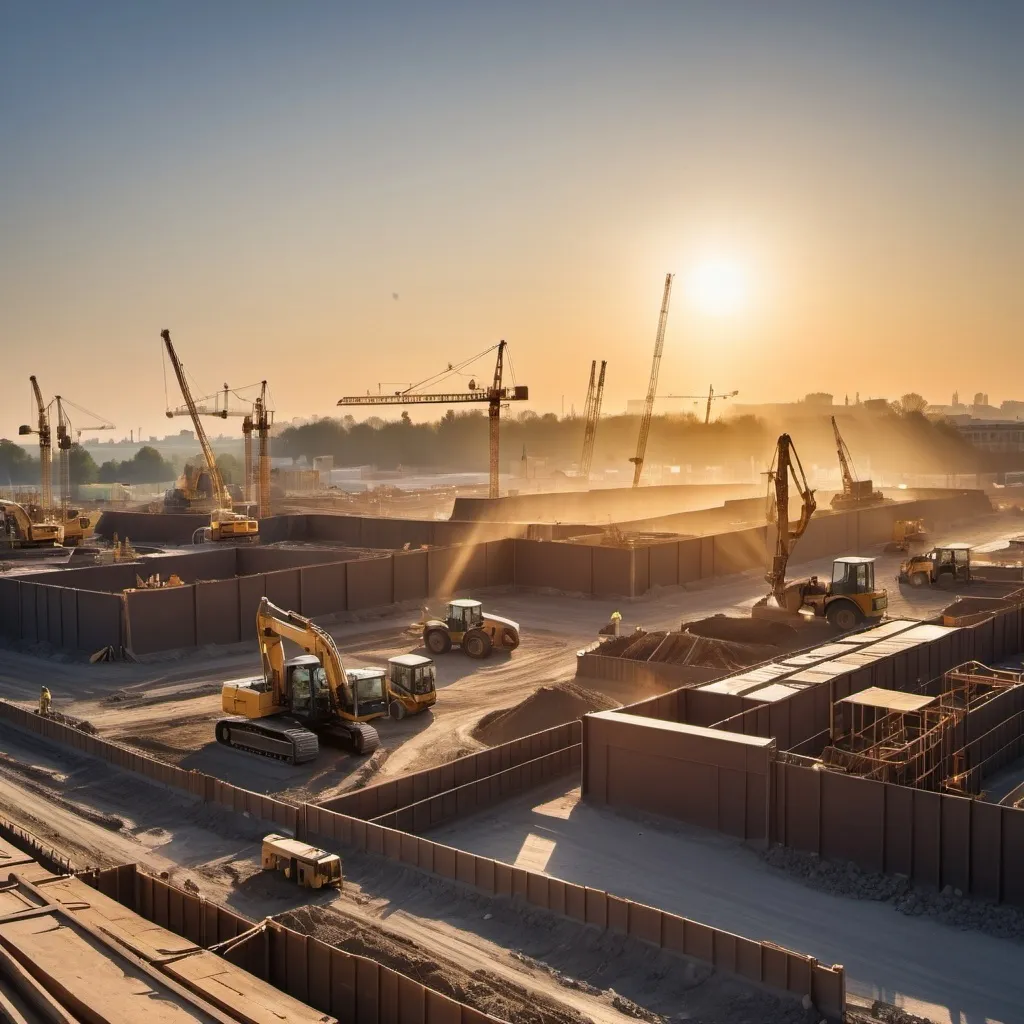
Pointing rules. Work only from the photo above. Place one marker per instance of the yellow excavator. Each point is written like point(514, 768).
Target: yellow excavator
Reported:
point(17, 530)
point(297, 701)
point(850, 597)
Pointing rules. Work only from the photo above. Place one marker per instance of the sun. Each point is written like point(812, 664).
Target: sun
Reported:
point(718, 286)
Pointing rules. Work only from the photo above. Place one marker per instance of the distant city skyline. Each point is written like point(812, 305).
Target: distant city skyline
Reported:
point(330, 196)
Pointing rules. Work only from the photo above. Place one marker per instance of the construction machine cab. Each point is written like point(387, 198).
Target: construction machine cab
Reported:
point(853, 575)
point(464, 614)
point(412, 684)
point(310, 692)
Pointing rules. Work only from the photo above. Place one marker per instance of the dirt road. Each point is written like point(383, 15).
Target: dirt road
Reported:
point(946, 975)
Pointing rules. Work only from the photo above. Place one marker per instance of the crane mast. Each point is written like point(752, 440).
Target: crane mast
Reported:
point(652, 386)
point(45, 450)
point(222, 496)
point(261, 422)
point(785, 466)
point(494, 425)
point(587, 405)
point(63, 458)
point(593, 415)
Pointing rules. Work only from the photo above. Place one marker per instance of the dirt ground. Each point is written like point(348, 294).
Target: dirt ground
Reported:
point(521, 965)
point(167, 707)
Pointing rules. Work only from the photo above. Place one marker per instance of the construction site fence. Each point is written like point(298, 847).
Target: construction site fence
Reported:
point(346, 986)
point(204, 787)
point(936, 839)
point(761, 962)
point(385, 797)
point(35, 847)
point(483, 793)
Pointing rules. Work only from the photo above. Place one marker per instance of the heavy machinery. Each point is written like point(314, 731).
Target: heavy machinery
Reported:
point(855, 492)
point(17, 530)
point(851, 596)
point(225, 524)
point(468, 626)
point(42, 428)
point(905, 533)
point(495, 396)
point(945, 565)
point(306, 865)
point(296, 701)
point(652, 384)
point(591, 416)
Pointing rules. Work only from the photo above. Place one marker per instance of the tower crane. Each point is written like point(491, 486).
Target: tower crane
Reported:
point(593, 414)
point(261, 419)
point(855, 492)
point(652, 386)
point(709, 398)
point(591, 388)
point(224, 523)
point(494, 396)
point(42, 428)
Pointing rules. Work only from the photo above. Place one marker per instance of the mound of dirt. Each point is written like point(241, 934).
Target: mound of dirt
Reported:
point(547, 707)
point(743, 631)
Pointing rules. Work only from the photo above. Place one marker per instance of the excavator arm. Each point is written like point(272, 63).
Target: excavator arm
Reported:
point(786, 466)
point(273, 626)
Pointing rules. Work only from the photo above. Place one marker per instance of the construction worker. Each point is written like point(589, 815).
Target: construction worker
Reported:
point(615, 620)
point(44, 701)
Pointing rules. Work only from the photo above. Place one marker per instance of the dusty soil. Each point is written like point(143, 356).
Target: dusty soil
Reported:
point(544, 708)
point(517, 963)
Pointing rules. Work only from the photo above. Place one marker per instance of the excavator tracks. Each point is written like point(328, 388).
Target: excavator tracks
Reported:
point(283, 741)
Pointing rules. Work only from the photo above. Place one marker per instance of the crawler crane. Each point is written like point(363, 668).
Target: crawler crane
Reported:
point(855, 492)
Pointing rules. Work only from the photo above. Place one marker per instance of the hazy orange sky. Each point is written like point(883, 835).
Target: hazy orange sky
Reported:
point(261, 178)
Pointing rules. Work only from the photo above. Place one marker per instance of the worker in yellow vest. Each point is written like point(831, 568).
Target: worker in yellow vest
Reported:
point(44, 701)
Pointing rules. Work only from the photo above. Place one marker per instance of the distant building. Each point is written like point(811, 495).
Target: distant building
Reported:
point(994, 436)
point(818, 398)
point(876, 405)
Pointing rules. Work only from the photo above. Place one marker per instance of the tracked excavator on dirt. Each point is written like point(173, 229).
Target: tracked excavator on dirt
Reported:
point(17, 530)
point(283, 714)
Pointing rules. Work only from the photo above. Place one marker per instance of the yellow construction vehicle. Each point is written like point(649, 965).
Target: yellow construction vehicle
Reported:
point(468, 626)
point(850, 597)
point(855, 493)
point(306, 865)
point(906, 532)
point(296, 701)
point(225, 524)
point(18, 531)
point(945, 565)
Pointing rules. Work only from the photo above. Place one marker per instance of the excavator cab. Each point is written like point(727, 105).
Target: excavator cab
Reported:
point(853, 576)
point(310, 693)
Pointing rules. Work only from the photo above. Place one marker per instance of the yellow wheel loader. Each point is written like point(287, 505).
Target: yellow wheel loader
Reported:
point(283, 714)
point(468, 626)
point(906, 532)
point(945, 565)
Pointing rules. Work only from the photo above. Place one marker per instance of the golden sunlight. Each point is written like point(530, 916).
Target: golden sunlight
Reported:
point(718, 286)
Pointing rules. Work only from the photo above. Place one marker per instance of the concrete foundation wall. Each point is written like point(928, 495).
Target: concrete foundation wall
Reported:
point(614, 504)
point(369, 583)
point(160, 620)
point(254, 559)
point(324, 589)
point(217, 620)
point(410, 576)
point(100, 620)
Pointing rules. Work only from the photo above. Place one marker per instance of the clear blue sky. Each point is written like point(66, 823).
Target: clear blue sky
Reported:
point(261, 178)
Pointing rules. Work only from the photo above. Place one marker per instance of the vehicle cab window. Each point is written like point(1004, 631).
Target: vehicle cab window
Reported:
point(301, 689)
point(475, 616)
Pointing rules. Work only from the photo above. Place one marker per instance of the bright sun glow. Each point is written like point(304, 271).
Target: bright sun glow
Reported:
point(718, 286)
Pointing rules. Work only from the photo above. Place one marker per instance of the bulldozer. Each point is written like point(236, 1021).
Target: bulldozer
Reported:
point(467, 625)
point(850, 597)
point(283, 714)
point(906, 532)
point(947, 564)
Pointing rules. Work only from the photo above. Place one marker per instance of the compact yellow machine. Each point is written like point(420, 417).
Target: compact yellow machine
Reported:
point(944, 565)
point(412, 685)
point(906, 532)
point(468, 626)
point(305, 865)
point(849, 599)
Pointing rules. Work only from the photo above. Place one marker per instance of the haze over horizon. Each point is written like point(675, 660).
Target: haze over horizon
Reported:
point(837, 187)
